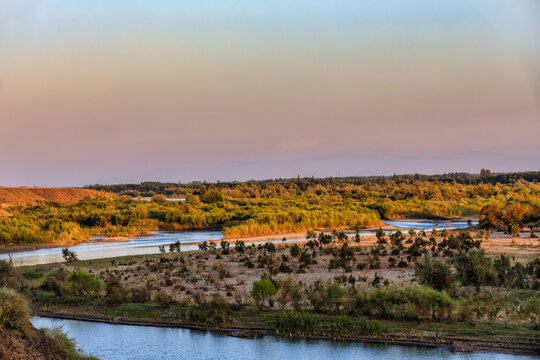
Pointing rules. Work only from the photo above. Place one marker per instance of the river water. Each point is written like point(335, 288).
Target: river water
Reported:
point(430, 225)
point(141, 342)
point(98, 248)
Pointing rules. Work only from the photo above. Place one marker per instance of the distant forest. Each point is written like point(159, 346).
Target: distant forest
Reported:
point(150, 188)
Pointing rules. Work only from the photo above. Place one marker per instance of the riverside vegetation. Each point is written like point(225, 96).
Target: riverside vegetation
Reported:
point(20, 340)
point(438, 287)
point(508, 202)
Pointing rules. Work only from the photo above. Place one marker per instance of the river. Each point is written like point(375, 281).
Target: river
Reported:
point(98, 248)
point(141, 342)
point(142, 245)
point(429, 225)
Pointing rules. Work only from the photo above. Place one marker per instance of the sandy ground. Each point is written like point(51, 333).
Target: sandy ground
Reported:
point(205, 273)
point(521, 249)
point(229, 277)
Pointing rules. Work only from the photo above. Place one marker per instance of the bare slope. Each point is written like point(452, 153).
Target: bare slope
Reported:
point(13, 196)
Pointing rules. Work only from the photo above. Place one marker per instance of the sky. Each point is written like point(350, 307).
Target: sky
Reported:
point(128, 91)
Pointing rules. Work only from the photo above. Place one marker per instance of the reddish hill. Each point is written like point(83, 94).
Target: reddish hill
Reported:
point(13, 196)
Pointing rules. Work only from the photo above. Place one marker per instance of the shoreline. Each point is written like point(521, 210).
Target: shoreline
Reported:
point(255, 238)
point(23, 248)
point(452, 343)
point(125, 238)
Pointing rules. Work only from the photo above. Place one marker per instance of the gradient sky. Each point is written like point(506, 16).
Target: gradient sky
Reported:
point(126, 91)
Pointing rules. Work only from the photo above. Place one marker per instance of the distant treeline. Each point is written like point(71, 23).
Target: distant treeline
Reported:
point(149, 188)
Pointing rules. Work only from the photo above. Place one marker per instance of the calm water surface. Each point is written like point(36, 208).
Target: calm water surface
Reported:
point(139, 342)
point(104, 249)
point(430, 225)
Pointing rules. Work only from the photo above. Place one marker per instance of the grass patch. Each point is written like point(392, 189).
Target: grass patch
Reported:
point(135, 310)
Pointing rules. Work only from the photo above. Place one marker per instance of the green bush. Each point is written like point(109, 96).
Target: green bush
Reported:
point(162, 298)
point(56, 282)
point(203, 316)
point(55, 344)
point(84, 284)
point(139, 294)
point(424, 302)
point(32, 274)
point(413, 303)
point(475, 268)
point(328, 296)
point(212, 195)
point(486, 304)
point(69, 256)
point(290, 292)
point(292, 321)
point(263, 291)
point(115, 292)
point(380, 302)
point(434, 273)
point(531, 306)
point(6, 271)
point(345, 325)
point(511, 276)
point(466, 309)
point(14, 313)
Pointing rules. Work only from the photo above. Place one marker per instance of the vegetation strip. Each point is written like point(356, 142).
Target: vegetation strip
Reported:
point(509, 202)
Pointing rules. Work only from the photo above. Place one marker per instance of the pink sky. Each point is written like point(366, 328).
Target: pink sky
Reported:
point(176, 92)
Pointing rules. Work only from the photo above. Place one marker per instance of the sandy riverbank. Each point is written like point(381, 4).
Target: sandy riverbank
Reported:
point(13, 249)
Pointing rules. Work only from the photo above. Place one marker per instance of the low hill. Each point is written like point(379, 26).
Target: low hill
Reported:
point(25, 196)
